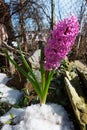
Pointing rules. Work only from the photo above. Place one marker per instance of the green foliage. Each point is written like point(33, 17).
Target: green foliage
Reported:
point(64, 63)
point(46, 77)
point(11, 115)
point(16, 105)
point(8, 122)
point(4, 107)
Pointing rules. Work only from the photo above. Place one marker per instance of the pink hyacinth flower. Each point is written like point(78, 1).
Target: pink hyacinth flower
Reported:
point(59, 44)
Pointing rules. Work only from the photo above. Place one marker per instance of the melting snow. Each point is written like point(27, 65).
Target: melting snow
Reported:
point(45, 117)
point(3, 78)
point(9, 95)
point(14, 111)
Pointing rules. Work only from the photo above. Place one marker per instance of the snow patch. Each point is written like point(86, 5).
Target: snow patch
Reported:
point(45, 117)
point(9, 95)
point(3, 78)
point(14, 111)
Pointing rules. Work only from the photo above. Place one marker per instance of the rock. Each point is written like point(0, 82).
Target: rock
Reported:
point(82, 73)
point(80, 65)
point(77, 98)
point(35, 65)
point(34, 59)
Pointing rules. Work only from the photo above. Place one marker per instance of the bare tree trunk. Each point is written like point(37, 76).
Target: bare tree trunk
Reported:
point(52, 14)
point(5, 18)
point(23, 26)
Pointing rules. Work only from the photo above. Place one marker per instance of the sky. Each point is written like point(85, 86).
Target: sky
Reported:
point(7, 0)
point(63, 8)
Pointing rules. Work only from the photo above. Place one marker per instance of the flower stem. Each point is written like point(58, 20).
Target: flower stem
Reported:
point(46, 87)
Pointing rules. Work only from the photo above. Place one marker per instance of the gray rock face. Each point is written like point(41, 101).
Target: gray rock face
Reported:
point(34, 59)
point(82, 72)
point(76, 93)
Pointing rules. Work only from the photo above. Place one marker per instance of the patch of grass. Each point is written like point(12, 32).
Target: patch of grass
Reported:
point(4, 107)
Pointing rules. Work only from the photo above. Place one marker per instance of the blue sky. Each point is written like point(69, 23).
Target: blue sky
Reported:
point(7, 0)
point(64, 7)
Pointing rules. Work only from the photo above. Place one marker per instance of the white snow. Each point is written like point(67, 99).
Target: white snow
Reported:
point(3, 78)
point(34, 117)
point(9, 94)
point(45, 117)
point(14, 111)
point(14, 43)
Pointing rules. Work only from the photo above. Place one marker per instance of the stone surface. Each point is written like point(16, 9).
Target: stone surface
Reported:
point(80, 65)
point(77, 98)
point(34, 59)
point(82, 73)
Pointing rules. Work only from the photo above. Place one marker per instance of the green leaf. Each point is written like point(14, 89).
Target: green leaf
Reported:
point(8, 122)
point(31, 73)
point(12, 115)
point(42, 70)
point(29, 77)
point(25, 101)
point(45, 91)
point(16, 106)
